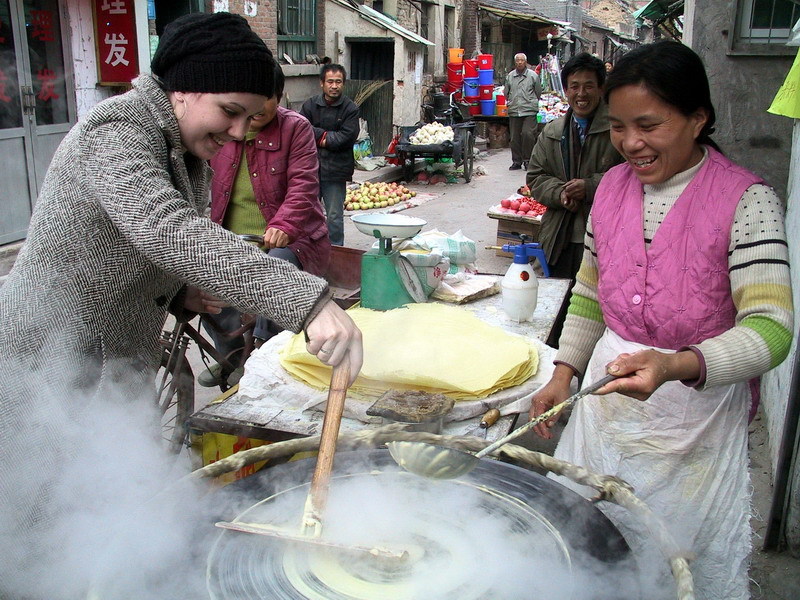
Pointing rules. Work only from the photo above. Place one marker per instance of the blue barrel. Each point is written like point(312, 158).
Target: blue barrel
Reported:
point(470, 87)
point(487, 107)
point(485, 76)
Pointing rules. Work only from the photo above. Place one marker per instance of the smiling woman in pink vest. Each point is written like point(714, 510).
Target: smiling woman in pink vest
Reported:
point(684, 293)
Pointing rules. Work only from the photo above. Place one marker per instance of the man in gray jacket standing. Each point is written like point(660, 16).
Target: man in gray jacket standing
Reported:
point(335, 120)
point(522, 91)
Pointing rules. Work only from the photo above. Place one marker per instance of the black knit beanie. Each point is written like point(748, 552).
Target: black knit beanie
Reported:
point(213, 53)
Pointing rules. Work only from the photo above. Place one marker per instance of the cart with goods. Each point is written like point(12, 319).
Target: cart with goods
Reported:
point(437, 141)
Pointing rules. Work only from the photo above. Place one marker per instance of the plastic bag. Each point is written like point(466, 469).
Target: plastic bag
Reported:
point(430, 267)
point(457, 247)
point(362, 149)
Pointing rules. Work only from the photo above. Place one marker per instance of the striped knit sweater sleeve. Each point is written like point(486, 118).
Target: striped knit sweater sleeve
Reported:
point(759, 273)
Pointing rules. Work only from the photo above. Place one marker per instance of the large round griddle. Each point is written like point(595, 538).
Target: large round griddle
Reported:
point(499, 532)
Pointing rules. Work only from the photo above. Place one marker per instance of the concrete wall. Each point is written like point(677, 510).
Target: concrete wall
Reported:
point(407, 86)
point(776, 384)
point(742, 88)
point(84, 53)
point(302, 82)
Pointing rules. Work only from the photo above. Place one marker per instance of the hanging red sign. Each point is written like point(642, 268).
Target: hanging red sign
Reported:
point(115, 40)
point(541, 33)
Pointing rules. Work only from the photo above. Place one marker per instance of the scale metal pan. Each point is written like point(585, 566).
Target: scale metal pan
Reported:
point(381, 225)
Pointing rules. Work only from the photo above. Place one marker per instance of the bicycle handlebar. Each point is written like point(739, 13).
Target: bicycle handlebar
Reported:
point(252, 238)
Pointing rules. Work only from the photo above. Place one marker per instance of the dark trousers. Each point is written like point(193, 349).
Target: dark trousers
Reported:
point(566, 267)
point(333, 193)
point(523, 132)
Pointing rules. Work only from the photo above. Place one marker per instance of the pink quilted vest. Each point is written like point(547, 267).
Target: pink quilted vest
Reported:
point(677, 292)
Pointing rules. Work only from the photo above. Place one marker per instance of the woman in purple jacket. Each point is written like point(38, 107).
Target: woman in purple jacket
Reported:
point(267, 185)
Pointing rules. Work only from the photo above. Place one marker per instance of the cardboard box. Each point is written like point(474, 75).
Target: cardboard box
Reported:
point(509, 231)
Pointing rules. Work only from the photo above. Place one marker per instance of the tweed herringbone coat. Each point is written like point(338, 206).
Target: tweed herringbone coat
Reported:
point(117, 231)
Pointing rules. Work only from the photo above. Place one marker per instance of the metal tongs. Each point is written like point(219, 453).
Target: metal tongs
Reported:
point(438, 462)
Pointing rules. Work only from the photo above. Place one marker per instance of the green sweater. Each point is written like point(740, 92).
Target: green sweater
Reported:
point(243, 215)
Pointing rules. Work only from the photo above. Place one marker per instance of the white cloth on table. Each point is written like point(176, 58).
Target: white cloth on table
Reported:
point(267, 383)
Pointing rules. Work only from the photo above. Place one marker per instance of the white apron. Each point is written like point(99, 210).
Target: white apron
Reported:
point(685, 454)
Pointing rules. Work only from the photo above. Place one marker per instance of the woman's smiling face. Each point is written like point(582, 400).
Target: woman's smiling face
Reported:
point(209, 121)
point(656, 139)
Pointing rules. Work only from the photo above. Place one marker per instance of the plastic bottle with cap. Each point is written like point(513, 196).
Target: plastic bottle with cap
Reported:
point(520, 286)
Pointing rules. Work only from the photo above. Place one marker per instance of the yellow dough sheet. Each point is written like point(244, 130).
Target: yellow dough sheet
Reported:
point(430, 347)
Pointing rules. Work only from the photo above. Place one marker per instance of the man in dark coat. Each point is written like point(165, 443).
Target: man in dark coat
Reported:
point(568, 161)
point(335, 120)
point(566, 165)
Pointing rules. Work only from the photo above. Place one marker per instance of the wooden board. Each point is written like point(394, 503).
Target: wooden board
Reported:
point(472, 289)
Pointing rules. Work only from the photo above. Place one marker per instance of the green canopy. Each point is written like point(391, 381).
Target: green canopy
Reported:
point(658, 10)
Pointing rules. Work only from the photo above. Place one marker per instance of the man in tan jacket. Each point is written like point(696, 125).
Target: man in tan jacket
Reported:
point(522, 91)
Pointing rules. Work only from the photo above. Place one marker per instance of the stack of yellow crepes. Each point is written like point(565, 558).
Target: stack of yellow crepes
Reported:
point(430, 347)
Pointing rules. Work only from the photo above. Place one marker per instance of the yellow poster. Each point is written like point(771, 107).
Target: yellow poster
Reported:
point(787, 100)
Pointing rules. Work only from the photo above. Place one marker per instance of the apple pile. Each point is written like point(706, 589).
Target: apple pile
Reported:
point(376, 195)
point(526, 207)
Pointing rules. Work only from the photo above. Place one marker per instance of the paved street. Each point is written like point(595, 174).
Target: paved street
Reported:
point(463, 207)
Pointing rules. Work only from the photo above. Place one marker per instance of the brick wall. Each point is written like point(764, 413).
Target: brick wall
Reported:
point(470, 38)
point(611, 14)
point(408, 15)
point(265, 20)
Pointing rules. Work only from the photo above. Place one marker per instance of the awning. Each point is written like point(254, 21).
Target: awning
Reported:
point(381, 20)
point(517, 9)
point(659, 10)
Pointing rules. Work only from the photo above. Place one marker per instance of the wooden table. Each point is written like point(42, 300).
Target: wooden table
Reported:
point(240, 416)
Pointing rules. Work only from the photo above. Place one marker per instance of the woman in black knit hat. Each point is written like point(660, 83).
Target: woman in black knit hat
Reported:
point(118, 239)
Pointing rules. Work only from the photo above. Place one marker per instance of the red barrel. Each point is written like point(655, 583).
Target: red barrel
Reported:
point(474, 108)
point(470, 67)
point(455, 73)
point(485, 61)
point(500, 99)
point(486, 92)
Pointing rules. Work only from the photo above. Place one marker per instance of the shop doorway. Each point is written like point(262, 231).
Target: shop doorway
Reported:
point(37, 106)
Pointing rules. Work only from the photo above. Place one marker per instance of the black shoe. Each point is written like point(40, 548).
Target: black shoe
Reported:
point(515, 167)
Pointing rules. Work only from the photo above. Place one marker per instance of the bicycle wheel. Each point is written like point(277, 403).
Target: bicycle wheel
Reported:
point(175, 399)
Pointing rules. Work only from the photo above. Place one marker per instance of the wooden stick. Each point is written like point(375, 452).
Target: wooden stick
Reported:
point(318, 493)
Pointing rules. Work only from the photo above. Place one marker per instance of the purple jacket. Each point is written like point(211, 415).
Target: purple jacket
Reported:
point(283, 170)
point(677, 292)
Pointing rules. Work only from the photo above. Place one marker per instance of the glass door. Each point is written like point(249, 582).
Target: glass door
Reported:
point(36, 104)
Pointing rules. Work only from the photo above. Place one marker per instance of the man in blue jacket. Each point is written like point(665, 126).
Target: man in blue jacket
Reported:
point(335, 120)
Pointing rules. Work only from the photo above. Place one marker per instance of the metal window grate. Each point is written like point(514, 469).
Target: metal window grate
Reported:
point(767, 21)
point(297, 28)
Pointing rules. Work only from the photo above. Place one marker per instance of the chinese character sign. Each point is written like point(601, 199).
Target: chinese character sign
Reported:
point(115, 31)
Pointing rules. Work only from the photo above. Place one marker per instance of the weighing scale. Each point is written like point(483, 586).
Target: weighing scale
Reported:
point(387, 278)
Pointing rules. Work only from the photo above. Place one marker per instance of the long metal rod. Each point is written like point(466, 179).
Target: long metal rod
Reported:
point(546, 415)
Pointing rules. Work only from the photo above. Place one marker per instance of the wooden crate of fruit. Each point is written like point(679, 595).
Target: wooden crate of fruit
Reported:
point(516, 216)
